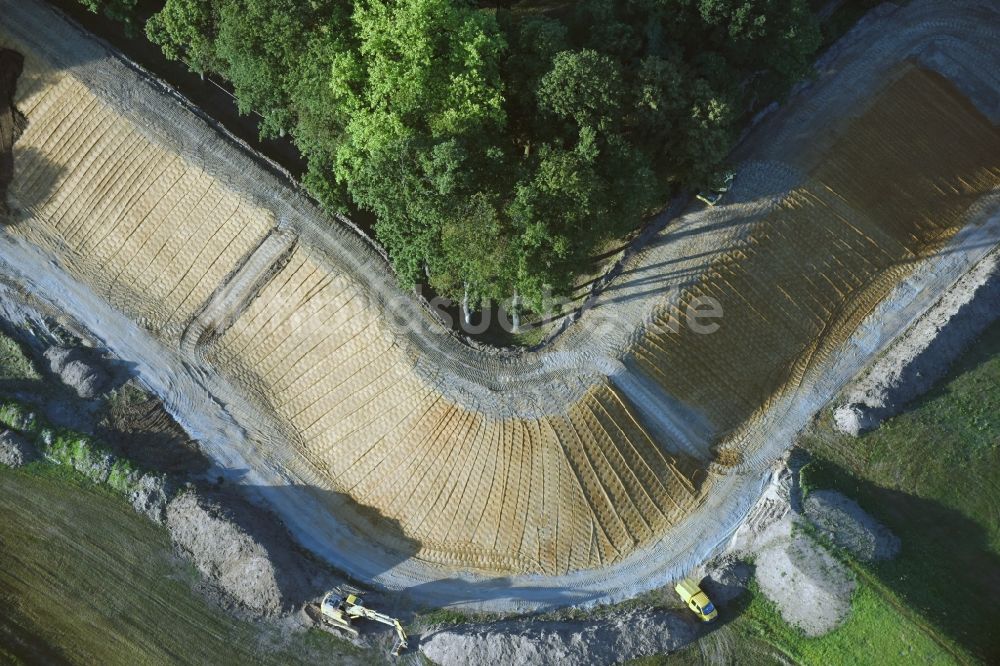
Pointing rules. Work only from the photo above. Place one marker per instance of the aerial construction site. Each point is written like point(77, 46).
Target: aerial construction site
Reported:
point(622, 454)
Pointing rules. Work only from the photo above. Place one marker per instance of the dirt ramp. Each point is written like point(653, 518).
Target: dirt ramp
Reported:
point(79, 369)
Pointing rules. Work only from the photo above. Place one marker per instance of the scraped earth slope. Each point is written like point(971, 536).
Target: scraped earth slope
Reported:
point(891, 190)
point(548, 462)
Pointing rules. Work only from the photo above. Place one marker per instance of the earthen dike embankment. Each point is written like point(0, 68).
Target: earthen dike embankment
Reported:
point(600, 466)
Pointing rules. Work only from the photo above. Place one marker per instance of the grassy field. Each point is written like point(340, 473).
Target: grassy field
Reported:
point(878, 631)
point(84, 579)
point(932, 475)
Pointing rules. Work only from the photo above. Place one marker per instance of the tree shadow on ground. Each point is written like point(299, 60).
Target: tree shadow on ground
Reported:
point(303, 571)
point(365, 530)
point(137, 427)
point(946, 571)
point(44, 173)
point(33, 181)
point(11, 120)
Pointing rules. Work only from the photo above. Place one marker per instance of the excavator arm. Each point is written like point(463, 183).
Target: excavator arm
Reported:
point(356, 610)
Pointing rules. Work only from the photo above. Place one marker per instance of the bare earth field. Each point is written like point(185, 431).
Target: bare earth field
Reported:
point(605, 464)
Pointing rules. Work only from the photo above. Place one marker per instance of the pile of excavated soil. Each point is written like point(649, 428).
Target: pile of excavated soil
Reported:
point(727, 580)
point(148, 494)
point(849, 526)
point(249, 560)
point(608, 640)
point(79, 369)
point(810, 587)
point(15, 450)
point(923, 354)
point(225, 554)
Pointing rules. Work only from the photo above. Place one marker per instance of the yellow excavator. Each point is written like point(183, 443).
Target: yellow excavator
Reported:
point(341, 605)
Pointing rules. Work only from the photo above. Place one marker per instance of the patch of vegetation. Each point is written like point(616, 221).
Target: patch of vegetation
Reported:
point(123, 11)
point(71, 449)
point(528, 337)
point(443, 616)
point(498, 145)
point(14, 363)
point(450, 616)
point(125, 396)
point(69, 477)
point(814, 475)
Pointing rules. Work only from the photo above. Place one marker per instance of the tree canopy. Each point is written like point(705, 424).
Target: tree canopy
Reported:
point(498, 145)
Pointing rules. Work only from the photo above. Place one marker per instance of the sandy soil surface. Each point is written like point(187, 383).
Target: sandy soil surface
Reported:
point(588, 461)
point(810, 587)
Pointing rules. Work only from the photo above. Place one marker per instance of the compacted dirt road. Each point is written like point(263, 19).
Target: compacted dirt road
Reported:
point(608, 463)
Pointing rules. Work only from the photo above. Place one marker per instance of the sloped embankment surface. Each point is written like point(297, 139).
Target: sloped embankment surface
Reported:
point(543, 463)
point(558, 492)
point(572, 486)
point(153, 233)
point(892, 190)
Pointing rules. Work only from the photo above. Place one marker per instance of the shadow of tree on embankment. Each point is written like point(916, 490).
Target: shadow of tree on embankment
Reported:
point(11, 120)
point(27, 164)
point(946, 571)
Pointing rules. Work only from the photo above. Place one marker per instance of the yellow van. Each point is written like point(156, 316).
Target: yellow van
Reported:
point(696, 600)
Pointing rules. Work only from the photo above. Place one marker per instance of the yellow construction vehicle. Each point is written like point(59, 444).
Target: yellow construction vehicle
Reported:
point(340, 606)
point(696, 600)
